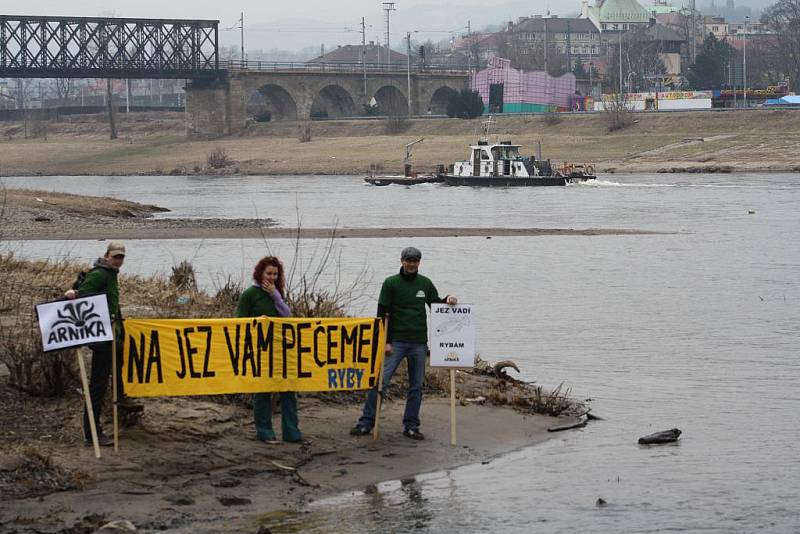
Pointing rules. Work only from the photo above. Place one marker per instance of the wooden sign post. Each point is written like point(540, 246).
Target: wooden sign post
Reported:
point(114, 388)
point(452, 346)
point(88, 399)
point(375, 430)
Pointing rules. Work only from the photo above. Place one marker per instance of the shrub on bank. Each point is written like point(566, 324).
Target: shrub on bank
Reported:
point(219, 159)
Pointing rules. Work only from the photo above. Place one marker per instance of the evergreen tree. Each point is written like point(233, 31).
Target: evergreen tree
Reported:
point(579, 70)
point(465, 105)
point(710, 69)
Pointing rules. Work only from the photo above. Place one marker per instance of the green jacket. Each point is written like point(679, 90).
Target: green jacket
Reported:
point(404, 297)
point(255, 302)
point(103, 279)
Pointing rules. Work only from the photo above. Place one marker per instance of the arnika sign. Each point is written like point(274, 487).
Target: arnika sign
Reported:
point(72, 323)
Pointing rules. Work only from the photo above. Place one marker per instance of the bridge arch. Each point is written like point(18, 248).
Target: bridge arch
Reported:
point(391, 100)
point(276, 100)
point(440, 98)
point(333, 101)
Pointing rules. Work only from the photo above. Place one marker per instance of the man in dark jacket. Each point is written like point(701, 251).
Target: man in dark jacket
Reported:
point(404, 297)
point(102, 278)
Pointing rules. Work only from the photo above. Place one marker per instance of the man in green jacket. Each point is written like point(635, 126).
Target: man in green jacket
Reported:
point(102, 278)
point(404, 297)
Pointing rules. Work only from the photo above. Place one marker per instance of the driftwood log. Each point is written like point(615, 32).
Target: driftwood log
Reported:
point(665, 436)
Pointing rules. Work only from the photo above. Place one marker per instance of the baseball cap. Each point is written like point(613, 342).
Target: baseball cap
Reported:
point(115, 248)
point(411, 253)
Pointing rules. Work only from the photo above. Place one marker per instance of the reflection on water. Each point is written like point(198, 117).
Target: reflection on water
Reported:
point(697, 330)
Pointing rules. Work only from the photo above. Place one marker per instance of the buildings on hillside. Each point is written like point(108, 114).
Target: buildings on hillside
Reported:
point(577, 37)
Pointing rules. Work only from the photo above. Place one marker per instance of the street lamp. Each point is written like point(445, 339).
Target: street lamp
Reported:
point(628, 79)
point(591, 84)
point(744, 59)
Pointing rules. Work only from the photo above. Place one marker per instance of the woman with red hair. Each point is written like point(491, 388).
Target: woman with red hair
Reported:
point(265, 297)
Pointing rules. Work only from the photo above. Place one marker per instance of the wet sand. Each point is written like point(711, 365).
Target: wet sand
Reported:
point(194, 463)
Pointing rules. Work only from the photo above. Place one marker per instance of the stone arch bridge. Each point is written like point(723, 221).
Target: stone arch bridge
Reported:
point(223, 106)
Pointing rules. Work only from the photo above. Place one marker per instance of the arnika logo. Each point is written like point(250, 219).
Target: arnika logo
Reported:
point(77, 321)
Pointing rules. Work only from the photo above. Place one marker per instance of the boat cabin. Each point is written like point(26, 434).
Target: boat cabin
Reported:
point(497, 159)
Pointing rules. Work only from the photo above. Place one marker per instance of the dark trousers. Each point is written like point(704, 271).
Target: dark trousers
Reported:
point(262, 412)
point(98, 382)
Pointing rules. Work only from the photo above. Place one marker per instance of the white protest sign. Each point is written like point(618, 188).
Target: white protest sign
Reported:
point(452, 335)
point(71, 323)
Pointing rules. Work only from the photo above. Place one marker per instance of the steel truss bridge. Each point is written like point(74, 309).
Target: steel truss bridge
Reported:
point(91, 47)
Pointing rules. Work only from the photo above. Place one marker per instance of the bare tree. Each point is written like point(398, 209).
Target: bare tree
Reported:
point(640, 59)
point(64, 87)
point(783, 49)
point(530, 55)
point(112, 110)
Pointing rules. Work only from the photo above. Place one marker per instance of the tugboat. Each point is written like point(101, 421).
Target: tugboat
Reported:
point(409, 177)
point(500, 164)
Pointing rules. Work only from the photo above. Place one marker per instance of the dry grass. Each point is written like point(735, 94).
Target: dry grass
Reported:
point(218, 159)
point(340, 146)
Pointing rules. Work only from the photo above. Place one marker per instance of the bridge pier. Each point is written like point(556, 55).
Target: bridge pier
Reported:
point(208, 109)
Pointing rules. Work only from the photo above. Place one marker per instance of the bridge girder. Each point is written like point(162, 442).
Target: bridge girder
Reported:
point(93, 47)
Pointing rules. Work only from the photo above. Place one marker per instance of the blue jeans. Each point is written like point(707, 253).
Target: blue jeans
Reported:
point(416, 354)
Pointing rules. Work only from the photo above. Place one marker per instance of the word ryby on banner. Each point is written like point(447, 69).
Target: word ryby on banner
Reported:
point(452, 335)
point(72, 323)
point(166, 357)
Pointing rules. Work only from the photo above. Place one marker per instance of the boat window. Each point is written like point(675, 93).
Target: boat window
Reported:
point(485, 154)
point(506, 152)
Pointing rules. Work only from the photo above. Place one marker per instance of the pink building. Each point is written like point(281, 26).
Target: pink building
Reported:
point(508, 90)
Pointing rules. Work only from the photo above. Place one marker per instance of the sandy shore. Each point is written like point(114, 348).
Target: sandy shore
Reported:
point(194, 463)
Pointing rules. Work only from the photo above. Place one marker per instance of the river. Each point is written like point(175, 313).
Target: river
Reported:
point(696, 327)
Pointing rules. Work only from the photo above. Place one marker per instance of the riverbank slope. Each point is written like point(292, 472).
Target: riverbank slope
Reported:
point(155, 143)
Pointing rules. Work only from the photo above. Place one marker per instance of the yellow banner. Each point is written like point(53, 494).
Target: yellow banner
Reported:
point(167, 357)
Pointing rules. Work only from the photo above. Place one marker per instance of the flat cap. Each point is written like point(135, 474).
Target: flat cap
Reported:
point(411, 253)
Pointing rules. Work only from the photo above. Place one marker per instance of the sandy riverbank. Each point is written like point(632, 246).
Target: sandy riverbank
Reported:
point(195, 463)
point(746, 140)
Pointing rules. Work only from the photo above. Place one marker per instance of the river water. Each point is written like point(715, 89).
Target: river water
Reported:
point(697, 328)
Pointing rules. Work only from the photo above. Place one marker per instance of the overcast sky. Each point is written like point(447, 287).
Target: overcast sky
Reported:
point(293, 25)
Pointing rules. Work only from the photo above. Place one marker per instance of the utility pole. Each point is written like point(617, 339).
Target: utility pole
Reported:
point(569, 46)
point(545, 45)
point(744, 59)
point(364, 53)
point(469, 46)
point(388, 7)
point(621, 91)
point(408, 70)
point(241, 30)
point(694, 32)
